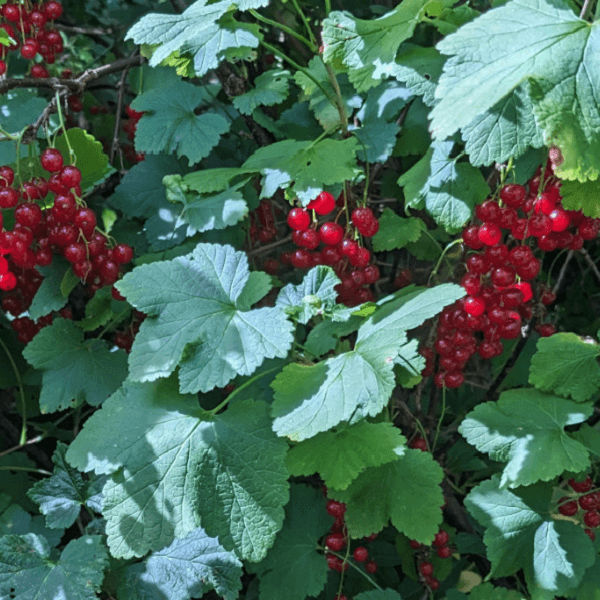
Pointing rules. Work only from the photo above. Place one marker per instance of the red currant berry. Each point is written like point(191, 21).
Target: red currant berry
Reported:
point(488, 212)
point(418, 443)
point(545, 329)
point(547, 297)
point(474, 305)
point(569, 508)
point(298, 219)
point(433, 583)
point(371, 567)
point(513, 195)
point(471, 283)
point(28, 214)
point(560, 219)
point(361, 554)
point(301, 259)
point(7, 176)
point(590, 501)
point(331, 234)
point(471, 239)
point(490, 234)
point(323, 204)
point(335, 541)
point(592, 518)
point(362, 259)
point(52, 10)
point(426, 569)
point(590, 534)
point(122, 254)
point(70, 176)
point(454, 379)
point(441, 539)
point(581, 486)
point(478, 264)
point(503, 277)
point(335, 508)
point(444, 552)
point(9, 197)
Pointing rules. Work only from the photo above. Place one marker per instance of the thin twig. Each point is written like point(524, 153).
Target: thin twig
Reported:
point(584, 9)
point(590, 262)
point(84, 30)
point(561, 274)
point(120, 94)
point(268, 247)
point(34, 440)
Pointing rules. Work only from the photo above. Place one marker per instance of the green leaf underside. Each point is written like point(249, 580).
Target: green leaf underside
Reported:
point(171, 125)
point(447, 189)
point(341, 456)
point(49, 296)
point(310, 399)
point(519, 534)
point(525, 429)
point(379, 595)
point(195, 32)
point(566, 365)
point(296, 544)
point(189, 567)
point(537, 40)
point(311, 166)
point(405, 492)
point(504, 131)
point(395, 232)
point(81, 371)
point(361, 45)
point(164, 452)
point(583, 196)
point(62, 495)
point(200, 318)
point(26, 565)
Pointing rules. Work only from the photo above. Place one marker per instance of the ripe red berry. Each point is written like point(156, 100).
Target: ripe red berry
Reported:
point(419, 443)
point(301, 259)
point(569, 508)
point(70, 176)
point(592, 518)
point(361, 217)
point(546, 329)
point(490, 234)
point(335, 541)
point(331, 234)
point(471, 239)
point(590, 534)
point(371, 567)
point(9, 197)
point(590, 501)
point(513, 195)
point(488, 212)
point(362, 258)
point(323, 204)
point(360, 554)
point(475, 305)
point(560, 219)
point(298, 219)
point(308, 238)
point(414, 544)
point(122, 254)
point(503, 277)
point(433, 583)
point(478, 264)
point(28, 214)
point(441, 538)
point(52, 10)
point(444, 552)
point(426, 569)
point(335, 508)
point(581, 486)
point(7, 176)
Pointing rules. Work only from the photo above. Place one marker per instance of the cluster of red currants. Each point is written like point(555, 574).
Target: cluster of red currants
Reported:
point(499, 272)
point(124, 338)
point(26, 25)
point(67, 228)
point(337, 540)
point(342, 250)
point(588, 501)
point(443, 550)
point(130, 127)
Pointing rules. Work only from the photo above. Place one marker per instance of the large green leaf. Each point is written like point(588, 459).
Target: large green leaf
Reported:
point(520, 534)
point(309, 165)
point(61, 496)
point(446, 188)
point(525, 429)
point(82, 370)
point(171, 123)
point(566, 365)
point(362, 44)
point(310, 399)
point(30, 571)
point(506, 130)
point(405, 491)
point(199, 316)
point(272, 87)
point(395, 231)
point(341, 456)
point(176, 467)
point(542, 41)
point(583, 196)
point(204, 32)
point(296, 544)
point(187, 568)
point(49, 296)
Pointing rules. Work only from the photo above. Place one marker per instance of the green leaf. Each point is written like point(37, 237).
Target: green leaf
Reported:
point(417, 66)
point(187, 568)
point(378, 138)
point(341, 456)
point(566, 365)
point(213, 180)
point(322, 106)
point(296, 544)
point(525, 429)
point(506, 130)
point(61, 496)
point(447, 189)
point(395, 231)
point(414, 136)
point(141, 192)
point(272, 87)
point(172, 125)
point(551, 47)
point(90, 158)
point(583, 196)
point(589, 437)
point(205, 213)
point(325, 336)
point(49, 296)
point(98, 311)
point(486, 591)
point(171, 452)
point(195, 317)
point(82, 370)
point(195, 32)
point(311, 166)
point(310, 399)
point(451, 19)
point(405, 491)
point(388, 594)
point(28, 569)
point(520, 534)
point(362, 44)
point(314, 296)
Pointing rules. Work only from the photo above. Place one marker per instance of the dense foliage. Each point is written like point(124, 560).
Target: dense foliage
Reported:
point(299, 299)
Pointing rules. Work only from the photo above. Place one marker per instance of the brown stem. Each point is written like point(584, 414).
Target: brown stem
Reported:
point(590, 262)
point(120, 94)
point(269, 247)
point(562, 272)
